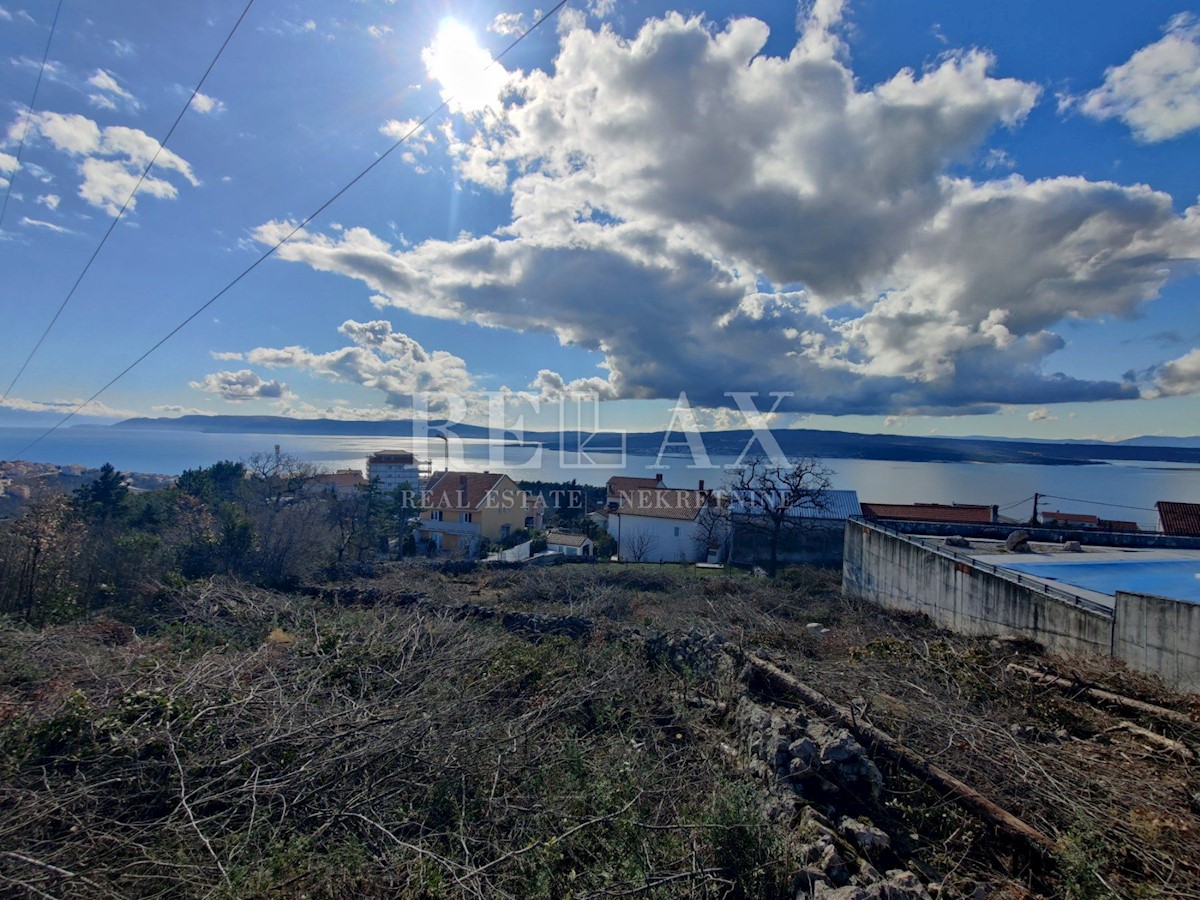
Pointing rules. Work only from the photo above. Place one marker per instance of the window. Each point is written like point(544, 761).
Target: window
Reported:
point(505, 530)
point(435, 516)
point(676, 531)
point(465, 517)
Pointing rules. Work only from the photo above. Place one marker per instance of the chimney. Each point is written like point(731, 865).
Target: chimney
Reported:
point(701, 485)
point(995, 514)
point(658, 478)
point(462, 490)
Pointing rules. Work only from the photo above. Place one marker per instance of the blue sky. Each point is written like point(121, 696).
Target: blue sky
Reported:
point(927, 217)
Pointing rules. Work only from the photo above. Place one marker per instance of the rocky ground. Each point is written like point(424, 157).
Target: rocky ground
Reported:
point(583, 731)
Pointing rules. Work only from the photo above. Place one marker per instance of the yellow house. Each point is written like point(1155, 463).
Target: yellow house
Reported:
point(464, 509)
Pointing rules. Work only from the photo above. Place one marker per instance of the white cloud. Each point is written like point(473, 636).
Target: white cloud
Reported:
point(379, 31)
point(122, 47)
point(653, 180)
point(95, 408)
point(112, 158)
point(50, 201)
point(217, 354)
point(5, 15)
point(1177, 377)
point(507, 23)
point(49, 226)
point(309, 25)
point(8, 163)
point(205, 104)
point(110, 88)
point(1156, 92)
point(241, 386)
point(601, 8)
point(1041, 414)
point(550, 387)
point(383, 360)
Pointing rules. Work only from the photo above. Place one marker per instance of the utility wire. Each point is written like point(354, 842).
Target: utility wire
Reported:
point(1098, 503)
point(1019, 502)
point(271, 251)
point(113, 224)
point(29, 112)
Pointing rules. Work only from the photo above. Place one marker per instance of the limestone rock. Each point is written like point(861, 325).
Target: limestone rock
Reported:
point(1017, 542)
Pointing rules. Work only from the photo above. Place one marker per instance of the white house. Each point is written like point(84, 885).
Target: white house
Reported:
point(661, 524)
point(569, 544)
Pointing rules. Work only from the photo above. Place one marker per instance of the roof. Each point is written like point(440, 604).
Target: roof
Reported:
point(393, 457)
point(1082, 518)
point(958, 513)
point(463, 490)
point(621, 485)
point(1179, 518)
point(342, 479)
point(562, 539)
point(833, 505)
point(663, 503)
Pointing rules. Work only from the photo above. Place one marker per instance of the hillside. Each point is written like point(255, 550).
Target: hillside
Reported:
point(793, 441)
point(586, 731)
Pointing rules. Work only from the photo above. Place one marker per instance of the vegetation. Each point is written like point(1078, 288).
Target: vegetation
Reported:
point(168, 727)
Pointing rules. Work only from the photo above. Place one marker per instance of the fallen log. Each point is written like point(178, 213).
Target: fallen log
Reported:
point(1153, 737)
point(1065, 685)
point(876, 739)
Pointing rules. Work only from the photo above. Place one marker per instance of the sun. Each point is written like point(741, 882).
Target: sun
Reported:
point(464, 71)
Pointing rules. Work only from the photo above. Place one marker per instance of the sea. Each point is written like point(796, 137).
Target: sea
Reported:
point(1113, 490)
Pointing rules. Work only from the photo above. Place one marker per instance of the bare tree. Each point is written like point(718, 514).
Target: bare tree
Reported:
point(712, 525)
point(640, 544)
point(776, 500)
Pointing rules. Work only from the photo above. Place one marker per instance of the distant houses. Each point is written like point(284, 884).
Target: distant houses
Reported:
point(394, 468)
point(342, 483)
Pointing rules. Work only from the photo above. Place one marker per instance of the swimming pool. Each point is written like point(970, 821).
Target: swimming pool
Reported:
point(1177, 578)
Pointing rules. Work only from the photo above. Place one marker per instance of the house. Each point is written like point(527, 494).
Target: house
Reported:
point(569, 544)
point(654, 523)
point(815, 536)
point(342, 483)
point(461, 511)
point(952, 513)
point(1069, 520)
point(1178, 518)
point(394, 468)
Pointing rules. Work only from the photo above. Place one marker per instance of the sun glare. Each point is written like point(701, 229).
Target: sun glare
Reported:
point(462, 68)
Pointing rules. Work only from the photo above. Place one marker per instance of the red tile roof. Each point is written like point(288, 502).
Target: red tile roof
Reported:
point(467, 490)
point(1179, 518)
point(1081, 518)
point(958, 514)
point(663, 503)
point(342, 479)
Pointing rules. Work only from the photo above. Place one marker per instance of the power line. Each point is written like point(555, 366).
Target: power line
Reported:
point(1099, 503)
point(271, 251)
point(29, 112)
point(1018, 502)
point(113, 224)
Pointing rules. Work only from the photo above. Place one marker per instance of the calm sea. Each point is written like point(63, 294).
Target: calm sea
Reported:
point(1118, 491)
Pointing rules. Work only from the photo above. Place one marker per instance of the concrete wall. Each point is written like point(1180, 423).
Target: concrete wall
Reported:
point(1160, 635)
point(1150, 634)
point(902, 574)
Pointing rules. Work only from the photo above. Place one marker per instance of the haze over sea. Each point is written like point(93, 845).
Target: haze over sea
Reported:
point(1122, 490)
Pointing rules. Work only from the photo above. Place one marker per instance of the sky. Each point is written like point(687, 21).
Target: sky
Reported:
point(920, 218)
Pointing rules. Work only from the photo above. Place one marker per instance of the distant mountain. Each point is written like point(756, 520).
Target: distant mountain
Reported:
point(794, 442)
